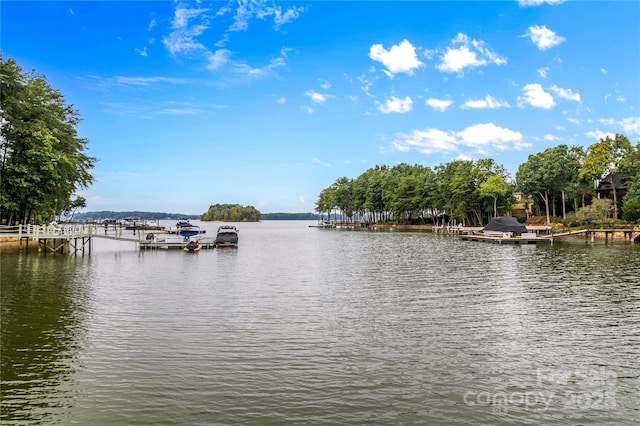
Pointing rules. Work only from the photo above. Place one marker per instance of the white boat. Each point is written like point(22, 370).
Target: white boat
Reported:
point(186, 229)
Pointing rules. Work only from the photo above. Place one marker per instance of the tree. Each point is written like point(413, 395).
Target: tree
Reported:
point(631, 202)
point(599, 210)
point(487, 170)
point(495, 186)
point(630, 164)
point(76, 203)
point(326, 201)
point(604, 159)
point(544, 174)
point(456, 186)
point(344, 195)
point(43, 162)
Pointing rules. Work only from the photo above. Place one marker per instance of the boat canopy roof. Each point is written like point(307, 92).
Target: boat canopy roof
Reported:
point(505, 224)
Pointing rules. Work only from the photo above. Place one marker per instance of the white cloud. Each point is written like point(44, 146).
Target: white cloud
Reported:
point(631, 125)
point(152, 25)
point(598, 134)
point(365, 85)
point(542, 72)
point(465, 52)
point(489, 134)
point(396, 105)
point(550, 138)
point(289, 15)
point(400, 58)
point(427, 141)
point(525, 3)
point(182, 15)
point(566, 94)
point(316, 160)
point(147, 81)
point(621, 99)
point(543, 37)
point(142, 52)
point(257, 72)
point(218, 59)
point(535, 96)
point(190, 23)
point(316, 97)
point(301, 199)
point(439, 104)
point(249, 9)
point(488, 102)
point(464, 157)
point(480, 137)
point(281, 100)
point(183, 37)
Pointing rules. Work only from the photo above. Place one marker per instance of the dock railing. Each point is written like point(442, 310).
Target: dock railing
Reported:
point(61, 231)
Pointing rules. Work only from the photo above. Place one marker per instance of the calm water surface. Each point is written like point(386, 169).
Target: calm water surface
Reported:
point(311, 326)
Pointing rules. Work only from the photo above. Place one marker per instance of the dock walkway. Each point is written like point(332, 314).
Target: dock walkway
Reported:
point(631, 234)
point(72, 238)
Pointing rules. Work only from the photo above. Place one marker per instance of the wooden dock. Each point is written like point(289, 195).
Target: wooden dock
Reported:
point(631, 235)
point(74, 238)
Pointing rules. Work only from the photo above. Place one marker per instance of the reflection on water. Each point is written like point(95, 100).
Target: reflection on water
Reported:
point(44, 302)
point(302, 325)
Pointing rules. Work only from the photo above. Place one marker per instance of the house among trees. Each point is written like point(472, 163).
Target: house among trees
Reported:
point(622, 184)
point(522, 205)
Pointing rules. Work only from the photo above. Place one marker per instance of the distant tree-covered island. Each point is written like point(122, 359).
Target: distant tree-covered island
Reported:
point(231, 213)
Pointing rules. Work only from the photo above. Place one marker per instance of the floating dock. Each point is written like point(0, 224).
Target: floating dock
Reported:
point(506, 240)
point(150, 245)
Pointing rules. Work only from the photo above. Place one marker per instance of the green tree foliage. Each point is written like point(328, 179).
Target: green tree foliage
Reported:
point(231, 213)
point(495, 186)
point(414, 193)
point(74, 205)
point(547, 174)
point(599, 210)
point(470, 192)
point(631, 202)
point(455, 188)
point(43, 161)
point(606, 158)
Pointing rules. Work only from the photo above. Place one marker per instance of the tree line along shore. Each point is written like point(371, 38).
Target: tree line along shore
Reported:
point(596, 186)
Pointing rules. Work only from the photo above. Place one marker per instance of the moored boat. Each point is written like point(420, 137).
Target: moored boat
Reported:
point(186, 229)
point(192, 247)
point(227, 236)
point(137, 224)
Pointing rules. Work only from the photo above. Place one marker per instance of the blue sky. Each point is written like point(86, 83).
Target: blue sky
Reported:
point(187, 104)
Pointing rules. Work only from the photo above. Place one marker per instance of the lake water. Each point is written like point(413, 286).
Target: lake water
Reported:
point(323, 326)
